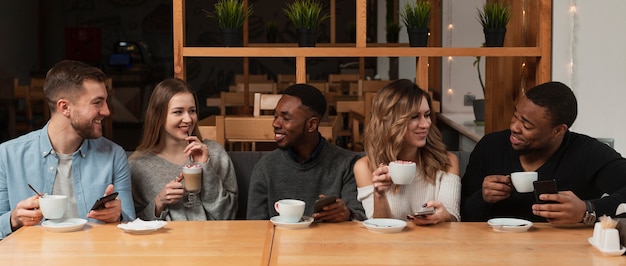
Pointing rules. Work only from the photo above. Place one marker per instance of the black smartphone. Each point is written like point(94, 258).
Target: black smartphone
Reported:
point(320, 203)
point(544, 187)
point(99, 204)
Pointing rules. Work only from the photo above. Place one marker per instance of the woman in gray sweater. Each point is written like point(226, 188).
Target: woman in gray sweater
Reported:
point(168, 141)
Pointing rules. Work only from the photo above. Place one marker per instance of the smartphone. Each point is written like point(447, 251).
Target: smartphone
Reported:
point(99, 204)
point(544, 187)
point(424, 212)
point(320, 203)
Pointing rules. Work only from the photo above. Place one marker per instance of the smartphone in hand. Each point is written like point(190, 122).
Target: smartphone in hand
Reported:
point(320, 203)
point(99, 204)
point(544, 187)
point(423, 213)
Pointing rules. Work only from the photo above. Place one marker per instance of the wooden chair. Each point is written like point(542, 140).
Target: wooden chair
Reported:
point(284, 80)
point(239, 78)
point(320, 85)
point(360, 121)
point(340, 82)
point(265, 102)
point(232, 99)
point(364, 86)
point(264, 87)
point(38, 103)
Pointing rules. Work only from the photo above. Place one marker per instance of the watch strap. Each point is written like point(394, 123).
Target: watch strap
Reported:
point(590, 214)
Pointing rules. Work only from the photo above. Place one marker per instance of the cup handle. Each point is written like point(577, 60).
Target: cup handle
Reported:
point(276, 207)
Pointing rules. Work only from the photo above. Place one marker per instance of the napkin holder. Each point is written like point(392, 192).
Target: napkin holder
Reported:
point(621, 228)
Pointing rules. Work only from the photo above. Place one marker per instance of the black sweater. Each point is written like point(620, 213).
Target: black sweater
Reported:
point(583, 165)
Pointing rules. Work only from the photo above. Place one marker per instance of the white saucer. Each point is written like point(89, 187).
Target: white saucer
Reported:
point(64, 225)
point(139, 226)
point(384, 225)
point(304, 223)
point(605, 251)
point(509, 224)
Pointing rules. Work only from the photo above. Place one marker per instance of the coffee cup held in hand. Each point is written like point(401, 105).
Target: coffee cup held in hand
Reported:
point(53, 206)
point(193, 177)
point(523, 181)
point(289, 210)
point(402, 172)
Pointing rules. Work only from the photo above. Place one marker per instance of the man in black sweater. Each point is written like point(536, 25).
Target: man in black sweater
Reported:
point(305, 166)
point(590, 176)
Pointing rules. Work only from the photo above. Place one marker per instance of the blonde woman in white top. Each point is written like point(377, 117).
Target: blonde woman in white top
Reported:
point(401, 128)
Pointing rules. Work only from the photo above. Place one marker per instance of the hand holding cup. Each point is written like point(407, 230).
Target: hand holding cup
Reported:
point(402, 172)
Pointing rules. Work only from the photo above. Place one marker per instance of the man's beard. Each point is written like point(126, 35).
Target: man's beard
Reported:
point(84, 128)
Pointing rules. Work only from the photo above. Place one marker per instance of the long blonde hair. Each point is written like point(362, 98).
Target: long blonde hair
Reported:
point(392, 108)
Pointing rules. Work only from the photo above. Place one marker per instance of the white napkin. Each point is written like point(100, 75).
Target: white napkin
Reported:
point(139, 225)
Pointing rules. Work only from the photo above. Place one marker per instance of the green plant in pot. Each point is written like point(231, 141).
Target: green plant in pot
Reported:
point(416, 18)
point(393, 30)
point(479, 104)
point(494, 17)
point(306, 16)
point(272, 31)
point(230, 15)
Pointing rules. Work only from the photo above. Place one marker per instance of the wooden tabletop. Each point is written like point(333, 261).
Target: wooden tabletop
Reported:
point(443, 244)
point(259, 243)
point(178, 243)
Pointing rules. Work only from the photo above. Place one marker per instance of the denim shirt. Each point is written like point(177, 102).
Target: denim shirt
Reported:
point(30, 159)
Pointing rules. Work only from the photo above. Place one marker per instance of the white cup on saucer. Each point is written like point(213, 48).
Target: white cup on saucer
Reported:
point(289, 210)
point(523, 181)
point(53, 206)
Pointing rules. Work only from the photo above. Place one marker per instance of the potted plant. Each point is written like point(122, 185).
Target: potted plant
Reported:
point(416, 18)
point(479, 104)
point(306, 16)
point(494, 17)
point(272, 31)
point(230, 15)
point(393, 30)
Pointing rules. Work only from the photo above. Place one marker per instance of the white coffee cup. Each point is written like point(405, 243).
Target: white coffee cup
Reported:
point(523, 181)
point(53, 206)
point(402, 172)
point(289, 210)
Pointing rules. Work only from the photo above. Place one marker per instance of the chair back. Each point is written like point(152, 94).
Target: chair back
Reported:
point(233, 99)
point(340, 82)
point(284, 80)
point(365, 86)
point(239, 78)
point(265, 102)
point(264, 87)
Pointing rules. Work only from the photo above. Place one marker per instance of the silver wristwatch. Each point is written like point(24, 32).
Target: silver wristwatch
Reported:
point(590, 214)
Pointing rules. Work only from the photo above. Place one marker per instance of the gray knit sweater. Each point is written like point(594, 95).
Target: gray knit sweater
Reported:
point(150, 173)
point(277, 176)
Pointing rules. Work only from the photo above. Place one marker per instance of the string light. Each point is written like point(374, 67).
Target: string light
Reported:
point(449, 44)
point(572, 44)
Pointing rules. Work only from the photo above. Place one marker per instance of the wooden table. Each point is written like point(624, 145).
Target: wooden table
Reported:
point(258, 243)
point(178, 243)
point(443, 244)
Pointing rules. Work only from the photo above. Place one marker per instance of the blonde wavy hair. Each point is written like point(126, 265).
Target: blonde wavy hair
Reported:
point(392, 108)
